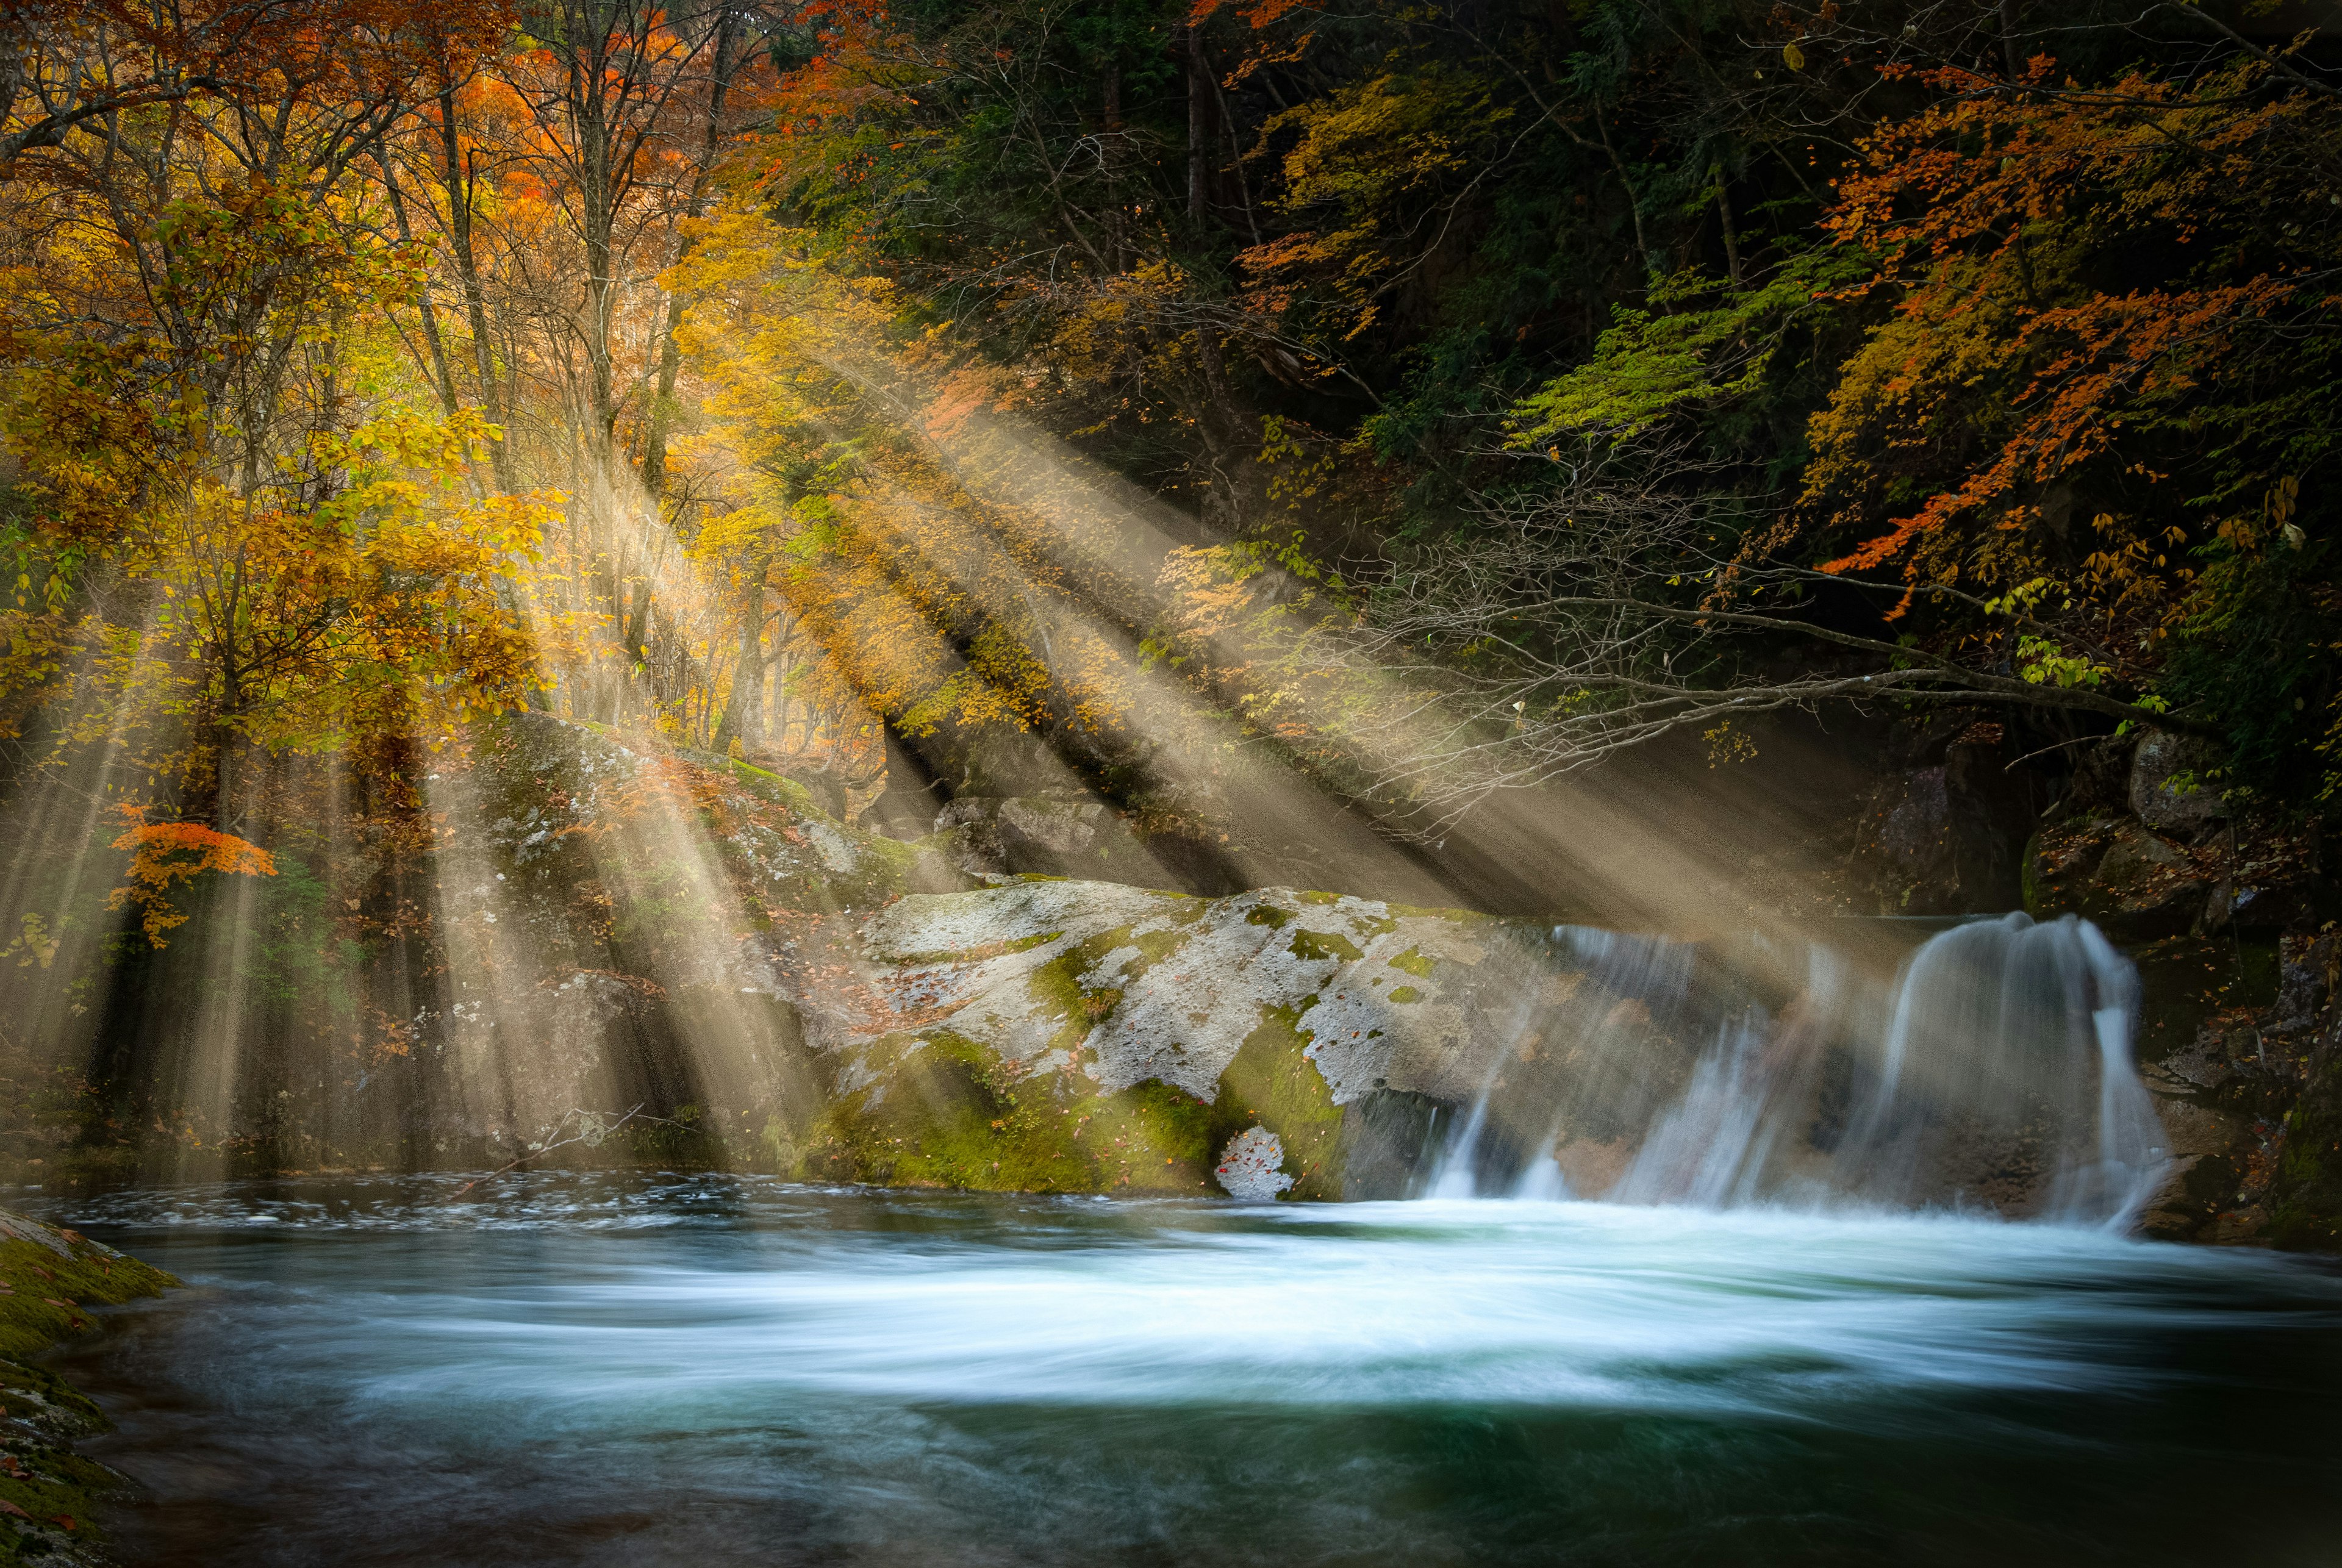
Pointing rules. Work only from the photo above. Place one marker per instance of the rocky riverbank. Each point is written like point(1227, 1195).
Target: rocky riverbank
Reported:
point(2227, 906)
point(600, 953)
point(49, 1278)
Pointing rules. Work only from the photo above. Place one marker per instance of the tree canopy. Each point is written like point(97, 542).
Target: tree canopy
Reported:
point(1434, 398)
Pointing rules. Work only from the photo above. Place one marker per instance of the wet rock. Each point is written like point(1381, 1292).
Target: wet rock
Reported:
point(2306, 976)
point(1082, 1036)
point(48, 1277)
point(827, 790)
point(1385, 1133)
point(1016, 836)
point(2205, 1150)
point(2100, 784)
point(1057, 827)
point(2287, 907)
point(2061, 863)
point(899, 814)
point(2170, 782)
point(967, 836)
point(1019, 833)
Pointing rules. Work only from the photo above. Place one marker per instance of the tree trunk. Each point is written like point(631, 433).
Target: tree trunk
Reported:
point(439, 371)
point(727, 61)
point(1199, 127)
point(456, 179)
point(1731, 239)
point(742, 710)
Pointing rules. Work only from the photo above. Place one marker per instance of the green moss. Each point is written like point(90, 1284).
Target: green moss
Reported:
point(1056, 986)
point(1273, 1084)
point(949, 1113)
point(2304, 1201)
point(1320, 945)
point(774, 787)
point(1405, 994)
point(55, 1489)
point(1267, 915)
point(1318, 897)
point(1413, 962)
point(2034, 893)
point(977, 955)
point(892, 853)
point(38, 1280)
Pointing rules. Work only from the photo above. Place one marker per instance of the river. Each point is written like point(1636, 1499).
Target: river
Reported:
point(586, 1369)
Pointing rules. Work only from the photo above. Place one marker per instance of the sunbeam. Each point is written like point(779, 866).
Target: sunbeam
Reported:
point(1120, 783)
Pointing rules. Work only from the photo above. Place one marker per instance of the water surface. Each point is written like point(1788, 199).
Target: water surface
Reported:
point(568, 1370)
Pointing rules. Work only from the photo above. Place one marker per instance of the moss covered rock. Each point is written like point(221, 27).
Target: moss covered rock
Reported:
point(48, 1280)
point(1077, 1036)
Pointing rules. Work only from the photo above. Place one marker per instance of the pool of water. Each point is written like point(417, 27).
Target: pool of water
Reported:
point(713, 1371)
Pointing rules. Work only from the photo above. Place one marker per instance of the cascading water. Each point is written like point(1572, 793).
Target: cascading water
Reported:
point(1635, 975)
point(1994, 1072)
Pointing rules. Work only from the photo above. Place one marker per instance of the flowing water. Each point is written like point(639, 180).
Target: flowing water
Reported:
point(1994, 1072)
point(1796, 1333)
point(711, 1371)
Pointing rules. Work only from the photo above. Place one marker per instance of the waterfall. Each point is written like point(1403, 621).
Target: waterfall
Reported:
point(1621, 976)
point(1994, 1072)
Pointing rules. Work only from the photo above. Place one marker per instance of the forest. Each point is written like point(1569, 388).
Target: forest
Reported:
point(1163, 782)
point(1307, 436)
point(1438, 399)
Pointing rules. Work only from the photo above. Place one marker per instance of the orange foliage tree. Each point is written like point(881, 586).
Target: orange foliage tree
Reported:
point(165, 854)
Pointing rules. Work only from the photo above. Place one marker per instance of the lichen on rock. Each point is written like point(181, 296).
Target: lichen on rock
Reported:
point(1269, 1009)
point(1252, 1166)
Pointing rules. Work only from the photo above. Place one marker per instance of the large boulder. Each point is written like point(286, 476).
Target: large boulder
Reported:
point(1084, 1036)
point(2137, 884)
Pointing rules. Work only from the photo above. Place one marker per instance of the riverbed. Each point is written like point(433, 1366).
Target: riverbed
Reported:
point(705, 1371)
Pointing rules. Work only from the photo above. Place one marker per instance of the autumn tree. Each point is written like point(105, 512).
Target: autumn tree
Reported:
point(233, 522)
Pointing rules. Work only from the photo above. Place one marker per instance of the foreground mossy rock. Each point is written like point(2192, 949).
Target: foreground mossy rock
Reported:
point(48, 1277)
point(1077, 1036)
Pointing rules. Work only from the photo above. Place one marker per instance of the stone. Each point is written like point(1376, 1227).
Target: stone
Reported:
point(1007, 835)
point(2060, 864)
point(1947, 838)
point(2254, 909)
point(1057, 826)
point(2160, 798)
point(968, 835)
point(898, 813)
point(2147, 888)
point(2204, 1146)
point(1251, 1166)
